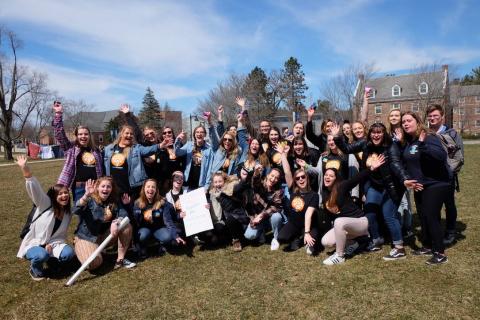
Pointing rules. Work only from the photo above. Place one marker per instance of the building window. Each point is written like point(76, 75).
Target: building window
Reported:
point(461, 111)
point(423, 88)
point(396, 106)
point(460, 124)
point(378, 109)
point(455, 124)
point(415, 107)
point(477, 110)
point(477, 123)
point(374, 93)
point(396, 90)
point(477, 99)
point(461, 100)
point(100, 138)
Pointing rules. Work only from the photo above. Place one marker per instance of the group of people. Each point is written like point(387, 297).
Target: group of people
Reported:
point(346, 189)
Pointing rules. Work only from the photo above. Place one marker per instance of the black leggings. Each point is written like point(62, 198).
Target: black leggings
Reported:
point(429, 204)
point(450, 209)
point(235, 227)
point(290, 231)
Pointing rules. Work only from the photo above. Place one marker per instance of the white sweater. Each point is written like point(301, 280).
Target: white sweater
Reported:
point(41, 230)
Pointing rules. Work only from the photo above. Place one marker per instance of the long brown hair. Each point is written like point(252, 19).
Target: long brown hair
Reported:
point(112, 198)
point(232, 154)
point(142, 201)
point(261, 156)
point(390, 127)
point(331, 201)
point(420, 124)
point(91, 142)
point(52, 193)
point(296, 189)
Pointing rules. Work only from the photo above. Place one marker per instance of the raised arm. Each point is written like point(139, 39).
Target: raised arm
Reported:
point(339, 140)
point(58, 128)
point(283, 150)
point(364, 111)
point(34, 189)
point(180, 144)
point(318, 140)
point(128, 118)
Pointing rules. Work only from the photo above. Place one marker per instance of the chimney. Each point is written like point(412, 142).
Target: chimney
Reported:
point(445, 68)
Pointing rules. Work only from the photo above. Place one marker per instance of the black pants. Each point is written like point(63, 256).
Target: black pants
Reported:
point(450, 209)
point(429, 204)
point(235, 227)
point(291, 231)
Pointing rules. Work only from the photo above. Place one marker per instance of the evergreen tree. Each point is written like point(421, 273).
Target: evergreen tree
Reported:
point(472, 78)
point(167, 107)
point(255, 91)
point(293, 82)
point(151, 113)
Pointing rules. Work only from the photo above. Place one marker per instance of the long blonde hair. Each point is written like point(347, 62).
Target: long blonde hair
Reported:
point(125, 127)
point(112, 198)
point(234, 150)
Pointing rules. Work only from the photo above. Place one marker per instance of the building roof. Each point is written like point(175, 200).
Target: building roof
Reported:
point(457, 91)
point(408, 83)
point(95, 121)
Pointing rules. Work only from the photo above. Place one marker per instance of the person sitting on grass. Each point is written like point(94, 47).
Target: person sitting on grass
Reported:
point(46, 238)
point(154, 217)
point(99, 215)
point(348, 219)
point(302, 222)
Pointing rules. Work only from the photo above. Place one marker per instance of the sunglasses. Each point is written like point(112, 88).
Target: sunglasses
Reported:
point(178, 178)
point(228, 139)
point(167, 132)
point(302, 177)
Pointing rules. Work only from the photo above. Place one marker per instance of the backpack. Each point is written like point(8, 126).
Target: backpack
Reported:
point(30, 220)
point(454, 151)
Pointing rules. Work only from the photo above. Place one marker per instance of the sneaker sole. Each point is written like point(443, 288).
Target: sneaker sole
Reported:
point(394, 258)
point(435, 263)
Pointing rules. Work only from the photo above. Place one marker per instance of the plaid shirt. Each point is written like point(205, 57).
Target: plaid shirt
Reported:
point(67, 176)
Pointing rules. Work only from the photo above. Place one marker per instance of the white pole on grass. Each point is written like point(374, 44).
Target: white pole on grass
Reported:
point(105, 242)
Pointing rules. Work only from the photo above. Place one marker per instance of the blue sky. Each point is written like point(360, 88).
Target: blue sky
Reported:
point(108, 52)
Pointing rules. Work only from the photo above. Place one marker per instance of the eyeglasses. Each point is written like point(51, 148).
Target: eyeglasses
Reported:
point(302, 177)
point(167, 132)
point(178, 178)
point(228, 139)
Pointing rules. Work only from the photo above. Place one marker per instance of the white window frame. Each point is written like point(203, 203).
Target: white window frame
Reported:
point(460, 123)
point(374, 93)
point(394, 106)
point(399, 91)
point(378, 106)
point(415, 107)
point(420, 88)
point(477, 110)
point(461, 111)
point(461, 100)
point(477, 123)
point(477, 98)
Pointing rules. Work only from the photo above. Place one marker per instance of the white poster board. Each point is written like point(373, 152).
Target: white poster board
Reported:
point(197, 218)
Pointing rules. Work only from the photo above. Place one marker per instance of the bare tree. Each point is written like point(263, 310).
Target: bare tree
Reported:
point(430, 86)
point(21, 91)
point(340, 90)
point(75, 112)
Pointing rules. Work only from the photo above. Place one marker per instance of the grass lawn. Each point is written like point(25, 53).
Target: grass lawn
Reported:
point(255, 283)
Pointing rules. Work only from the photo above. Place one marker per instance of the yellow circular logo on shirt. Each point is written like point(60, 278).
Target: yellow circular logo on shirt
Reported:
point(333, 164)
point(371, 158)
point(197, 158)
point(118, 160)
point(360, 155)
point(107, 214)
point(277, 158)
point(226, 164)
point(88, 158)
point(147, 215)
point(298, 204)
point(265, 146)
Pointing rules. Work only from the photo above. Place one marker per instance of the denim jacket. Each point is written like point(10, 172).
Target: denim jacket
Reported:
point(208, 152)
point(162, 217)
point(136, 170)
point(91, 219)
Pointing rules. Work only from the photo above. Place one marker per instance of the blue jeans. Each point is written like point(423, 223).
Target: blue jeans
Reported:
point(275, 222)
point(162, 235)
point(38, 256)
point(78, 192)
point(389, 209)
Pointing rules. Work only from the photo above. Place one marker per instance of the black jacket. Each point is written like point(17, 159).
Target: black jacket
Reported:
point(392, 173)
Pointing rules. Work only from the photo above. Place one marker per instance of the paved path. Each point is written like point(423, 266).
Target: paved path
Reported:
point(471, 141)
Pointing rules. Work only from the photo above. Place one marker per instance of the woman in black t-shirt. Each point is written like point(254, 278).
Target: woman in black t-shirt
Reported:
point(302, 222)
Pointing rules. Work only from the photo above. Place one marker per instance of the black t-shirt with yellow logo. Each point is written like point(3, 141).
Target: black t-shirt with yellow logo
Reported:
point(299, 203)
point(86, 163)
point(119, 170)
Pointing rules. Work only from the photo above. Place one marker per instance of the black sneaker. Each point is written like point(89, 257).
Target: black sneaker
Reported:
point(162, 251)
point(395, 254)
point(36, 277)
point(449, 239)
point(294, 245)
point(422, 252)
point(437, 258)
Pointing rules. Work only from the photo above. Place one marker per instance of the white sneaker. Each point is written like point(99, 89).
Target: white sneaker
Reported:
point(334, 259)
point(274, 245)
point(309, 250)
point(350, 249)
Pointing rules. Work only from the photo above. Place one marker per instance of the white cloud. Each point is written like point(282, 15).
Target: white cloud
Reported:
point(163, 37)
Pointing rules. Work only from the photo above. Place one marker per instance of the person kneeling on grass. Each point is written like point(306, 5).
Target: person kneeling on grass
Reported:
point(48, 231)
point(349, 221)
point(100, 214)
point(154, 217)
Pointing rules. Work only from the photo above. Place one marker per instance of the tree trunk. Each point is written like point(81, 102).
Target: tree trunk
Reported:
point(8, 150)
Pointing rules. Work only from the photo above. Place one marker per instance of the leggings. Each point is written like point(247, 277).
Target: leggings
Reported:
point(344, 229)
point(235, 227)
point(429, 204)
point(450, 210)
point(84, 248)
point(290, 231)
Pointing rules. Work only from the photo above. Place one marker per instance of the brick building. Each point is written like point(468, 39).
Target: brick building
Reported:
point(465, 101)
